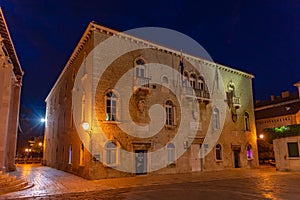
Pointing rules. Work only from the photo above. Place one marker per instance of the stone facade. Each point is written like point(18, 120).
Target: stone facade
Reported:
point(10, 90)
point(92, 130)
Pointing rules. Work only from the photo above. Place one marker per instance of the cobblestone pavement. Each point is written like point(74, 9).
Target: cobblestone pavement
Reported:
point(262, 183)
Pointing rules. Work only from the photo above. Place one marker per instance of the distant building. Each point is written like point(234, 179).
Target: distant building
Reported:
point(278, 111)
point(286, 152)
point(10, 91)
point(92, 156)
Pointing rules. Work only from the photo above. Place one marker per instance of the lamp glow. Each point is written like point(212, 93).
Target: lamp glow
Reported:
point(261, 136)
point(85, 126)
point(43, 120)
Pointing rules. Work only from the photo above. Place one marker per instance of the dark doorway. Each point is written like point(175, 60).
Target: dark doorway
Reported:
point(141, 162)
point(236, 155)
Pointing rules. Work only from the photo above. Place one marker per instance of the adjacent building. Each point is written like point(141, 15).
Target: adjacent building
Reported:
point(10, 90)
point(100, 110)
point(278, 111)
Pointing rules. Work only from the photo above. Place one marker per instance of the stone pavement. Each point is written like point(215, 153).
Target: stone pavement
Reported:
point(50, 183)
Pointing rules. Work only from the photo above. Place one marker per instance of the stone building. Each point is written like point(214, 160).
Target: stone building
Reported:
point(286, 152)
point(124, 106)
point(10, 91)
point(278, 111)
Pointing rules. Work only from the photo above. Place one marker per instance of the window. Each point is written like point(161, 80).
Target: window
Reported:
point(293, 149)
point(140, 68)
point(218, 152)
point(169, 113)
point(193, 80)
point(171, 153)
point(247, 122)
point(70, 154)
point(216, 119)
point(201, 83)
point(165, 80)
point(81, 161)
point(111, 153)
point(249, 151)
point(111, 107)
point(185, 79)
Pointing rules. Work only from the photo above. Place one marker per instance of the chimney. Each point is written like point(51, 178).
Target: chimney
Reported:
point(298, 85)
point(272, 97)
point(285, 94)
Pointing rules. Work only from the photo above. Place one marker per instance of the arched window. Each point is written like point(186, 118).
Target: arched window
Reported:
point(165, 80)
point(218, 152)
point(193, 80)
point(140, 68)
point(111, 153)
point(111, 106)
point(70, 154)
point(247, 122)
point(185, 79)
point(171, 153)
point(249, 151)
point(201, 83)
point(81, 161)
point(169, 113)
point(216, 119)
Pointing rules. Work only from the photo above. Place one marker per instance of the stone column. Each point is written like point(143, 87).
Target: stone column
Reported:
point(5, 95)
point(13, 125)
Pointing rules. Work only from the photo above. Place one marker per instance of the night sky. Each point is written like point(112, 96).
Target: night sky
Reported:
point(258, 37)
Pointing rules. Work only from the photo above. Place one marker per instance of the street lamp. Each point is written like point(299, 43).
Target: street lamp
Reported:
point(261, 136)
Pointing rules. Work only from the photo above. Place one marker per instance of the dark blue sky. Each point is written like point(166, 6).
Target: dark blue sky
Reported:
point(259, 37)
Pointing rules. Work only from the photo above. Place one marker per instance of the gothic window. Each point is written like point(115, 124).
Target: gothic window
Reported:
point(171, 153)
point(216, 119)
point(193, 80)
point(249, 151)
point(111, 153)
point(165, 80)
point(111, 106)
point(218, 152)
point(185, 78)
point(201, 83)
point(140, 68)
point(70, 154)
point(247, 122)
point(169, 113)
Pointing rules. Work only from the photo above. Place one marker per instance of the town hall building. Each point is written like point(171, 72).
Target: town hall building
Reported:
point(124, 106)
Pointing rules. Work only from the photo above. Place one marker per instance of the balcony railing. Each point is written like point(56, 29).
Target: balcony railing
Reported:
point(198, 93)
point(236, 102)
point(142, 82)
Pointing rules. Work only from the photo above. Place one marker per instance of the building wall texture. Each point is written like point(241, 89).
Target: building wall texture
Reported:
point(86, 152)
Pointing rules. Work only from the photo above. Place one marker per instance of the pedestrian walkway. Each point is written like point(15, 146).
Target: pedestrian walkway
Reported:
point(49, 181)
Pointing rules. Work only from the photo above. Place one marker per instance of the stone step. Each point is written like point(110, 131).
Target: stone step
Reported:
point(11, 184)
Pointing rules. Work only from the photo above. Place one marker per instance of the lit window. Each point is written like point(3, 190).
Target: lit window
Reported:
point(111, 107)
point(218, 152)
point(249, 151)
point(111, 153)
point(81, 162)
point(171, 153)
point(169, 113)
point(293, 149)
point(216, 119)
point(247, 122)
point(70, 154)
